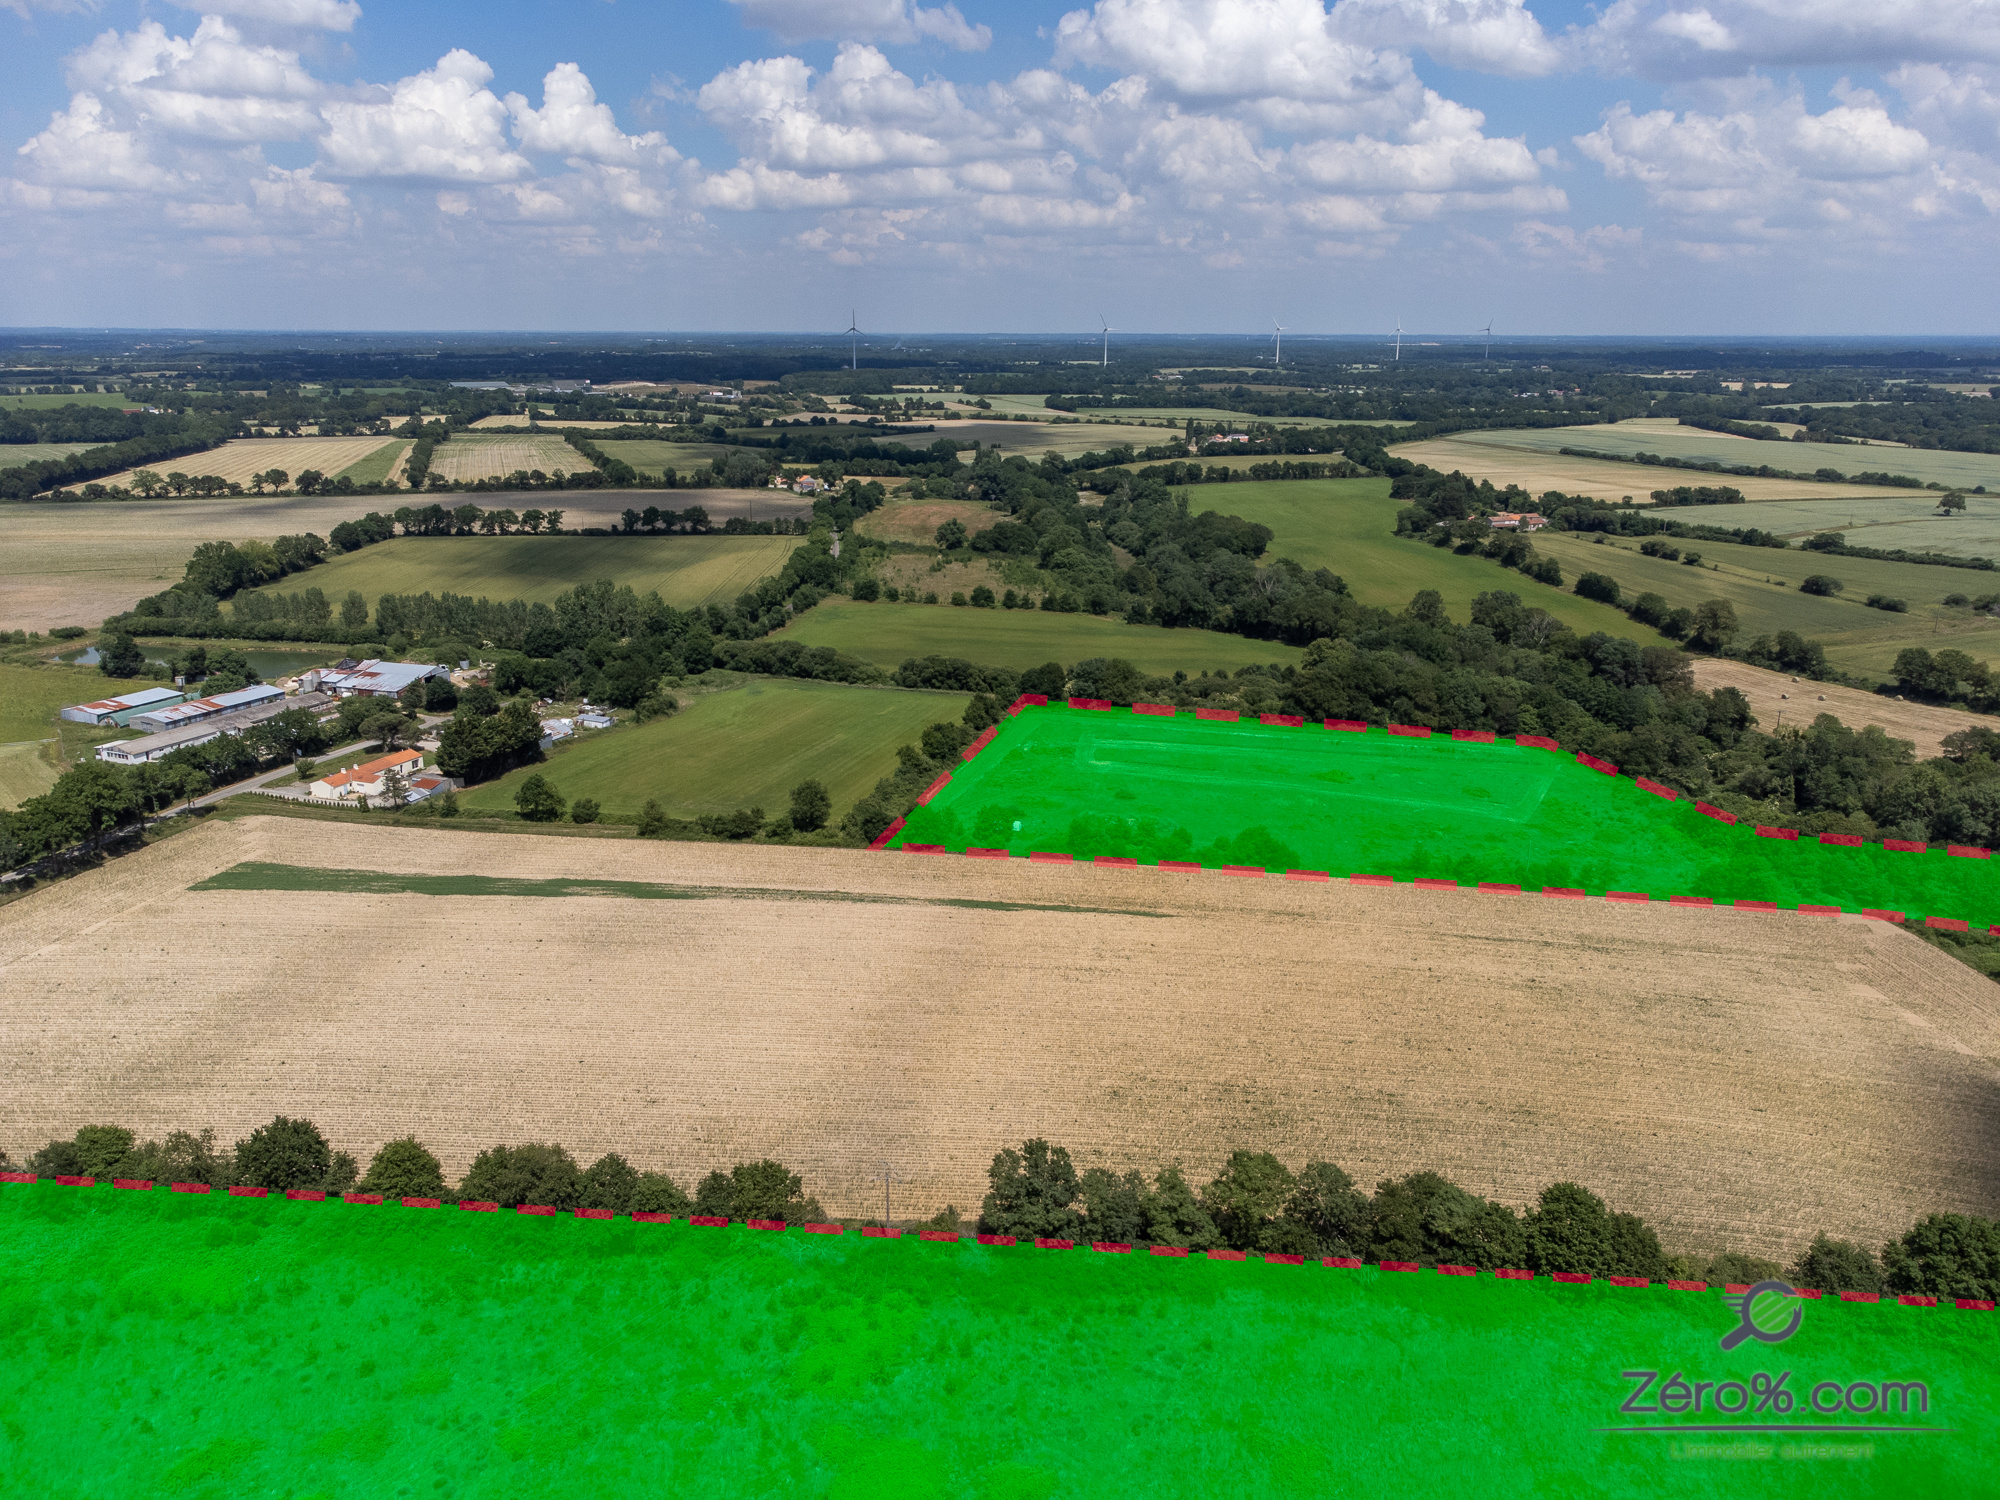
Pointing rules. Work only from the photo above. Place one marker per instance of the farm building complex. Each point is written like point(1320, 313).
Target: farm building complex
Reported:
point(196, 710)
point(369, 679)
point(213, 727)
point(121, 709)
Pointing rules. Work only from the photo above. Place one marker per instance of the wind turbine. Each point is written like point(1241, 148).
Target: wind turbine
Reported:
point(854, 340)
point(1399, 340)
point(1487, 334)
point(1105, 362)
point(1278, 344)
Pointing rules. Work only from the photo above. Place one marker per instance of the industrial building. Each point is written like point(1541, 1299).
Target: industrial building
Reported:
point(193, 712)
point(120, 710)
point(153, 746)
point(368, 679)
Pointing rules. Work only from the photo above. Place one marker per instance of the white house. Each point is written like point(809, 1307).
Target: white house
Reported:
point(369, 779)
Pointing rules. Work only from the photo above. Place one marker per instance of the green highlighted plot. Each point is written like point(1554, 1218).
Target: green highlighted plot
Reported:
point(162, 1344)
point(1111, 782)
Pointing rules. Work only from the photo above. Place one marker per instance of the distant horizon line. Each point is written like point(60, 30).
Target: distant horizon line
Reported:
point(1454, 336)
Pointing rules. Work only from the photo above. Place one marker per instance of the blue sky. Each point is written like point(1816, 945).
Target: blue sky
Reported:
point(1647, 167)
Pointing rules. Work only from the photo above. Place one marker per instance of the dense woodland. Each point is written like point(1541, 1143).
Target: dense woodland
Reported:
point(1254, 1204)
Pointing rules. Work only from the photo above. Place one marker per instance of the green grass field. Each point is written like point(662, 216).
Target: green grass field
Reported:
point(745, 746)
point(1857, 639)
point(1622, 439)
point(890, 634)
point(652, 457)
point(687, 570)
point(379, 465)
point(1118, 783)
point(31, 697)
point(1349, 525)
point(1910, 521)
point(212, 1347)
point(52, 403)
point(14, 455)
point(1032, 439)
point(25, 771)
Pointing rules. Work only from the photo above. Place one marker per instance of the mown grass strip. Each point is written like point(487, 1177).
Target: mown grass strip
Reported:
point(257, 875)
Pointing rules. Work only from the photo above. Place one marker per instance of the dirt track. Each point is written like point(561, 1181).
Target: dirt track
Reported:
point(1741, 1080)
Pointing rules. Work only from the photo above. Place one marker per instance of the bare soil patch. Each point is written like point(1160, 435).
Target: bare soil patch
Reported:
point(1777, 697)
point(1740, 1080)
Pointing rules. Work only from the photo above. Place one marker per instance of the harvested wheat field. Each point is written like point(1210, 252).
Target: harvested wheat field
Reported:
point(241, 459)
point(468, 458)
point(1505, 462)
point(1800, 700)
point(1740, 1080)
point(75, 564)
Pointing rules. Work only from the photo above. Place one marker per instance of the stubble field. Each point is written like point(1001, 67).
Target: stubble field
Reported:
point(468, 457)
point(1530, 458)
point(1739, 1080)
point(1777, 698)
point(76, 564)
point(242, 458)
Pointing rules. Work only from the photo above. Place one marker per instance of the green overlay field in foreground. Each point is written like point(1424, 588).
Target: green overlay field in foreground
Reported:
point(1112, 782)
point(156, 1343)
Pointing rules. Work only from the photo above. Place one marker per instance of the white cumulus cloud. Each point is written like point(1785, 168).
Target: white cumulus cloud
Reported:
point(304, 15)
point(571, 122)
point(892, 21)
point(1714, 38)
point(442, 123)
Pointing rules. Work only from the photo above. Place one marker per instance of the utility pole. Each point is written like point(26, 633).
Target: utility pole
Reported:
point(887, 1176)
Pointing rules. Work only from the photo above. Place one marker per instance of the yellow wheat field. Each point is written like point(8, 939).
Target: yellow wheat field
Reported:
point(468, 458)
point(1740, 1080)
point(241, 458)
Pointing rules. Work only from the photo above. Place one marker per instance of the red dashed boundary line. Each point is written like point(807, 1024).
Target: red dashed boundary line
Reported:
point(950, 1237)
point(1411, 731)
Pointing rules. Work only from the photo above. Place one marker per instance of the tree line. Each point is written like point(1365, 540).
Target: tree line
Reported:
point(1254, 1203)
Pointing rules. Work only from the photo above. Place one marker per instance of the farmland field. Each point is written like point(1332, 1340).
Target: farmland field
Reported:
point(856, 1366)
point(241, 458)
point(1129, 785)
point(918, 520)
point(385, 463)
point(31, 697)
point(687, 570)
point(1762, 584)
point(1531, 458)
point(14, 455)
point(890, 634)
point(650, 458)
point(1910, 521)
point(1032, 439)
point(30, 700)
point(1349, 525)
point(831, 1008)
point(1778, 698)
point(31, 402)
point(746, 746)
point(468, 457)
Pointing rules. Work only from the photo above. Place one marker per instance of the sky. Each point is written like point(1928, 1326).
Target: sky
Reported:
point(1647, 167)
